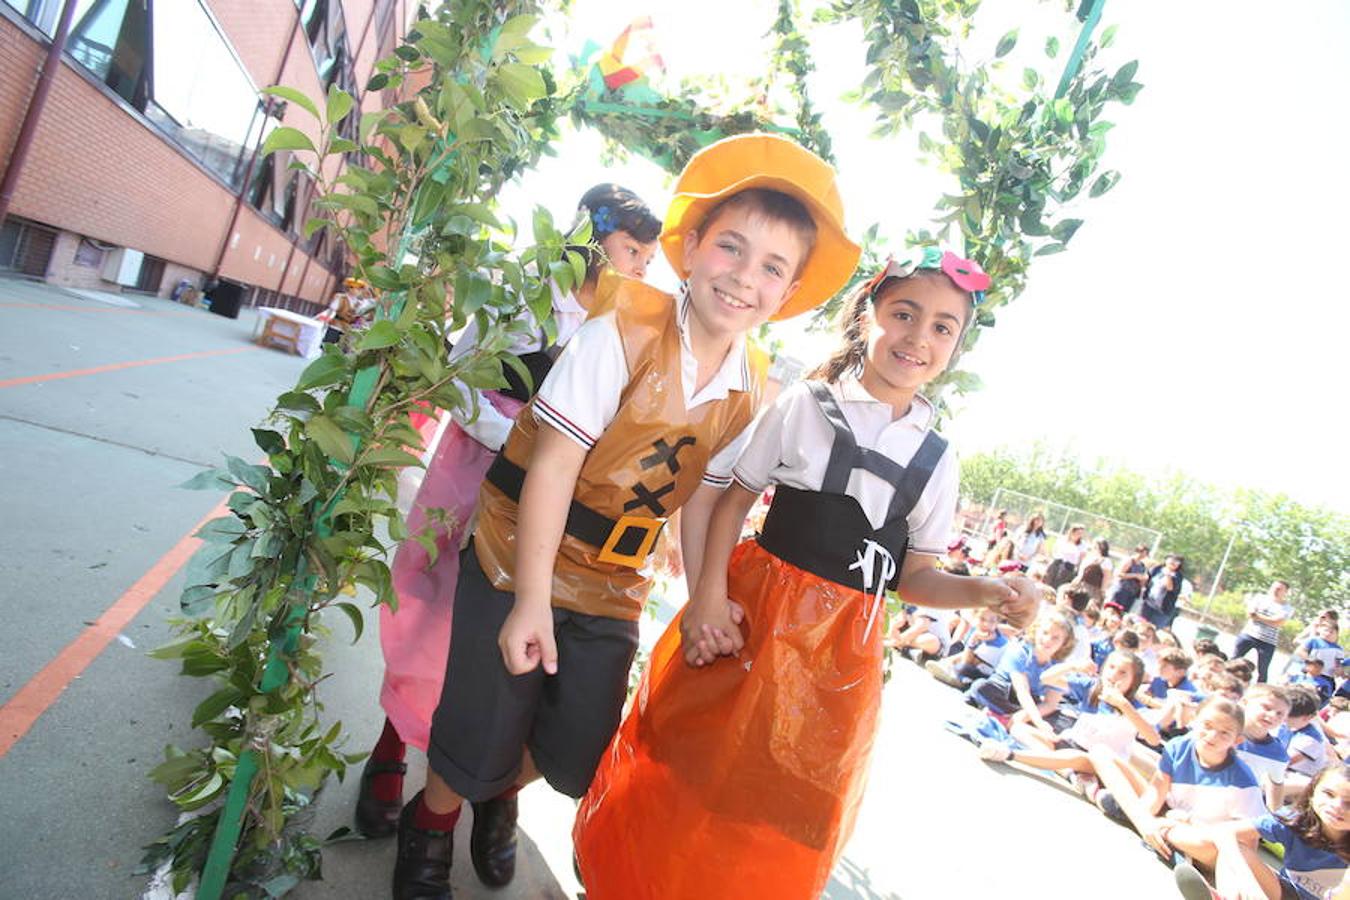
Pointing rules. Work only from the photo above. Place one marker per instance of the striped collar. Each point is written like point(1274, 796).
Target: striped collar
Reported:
point(734, 374)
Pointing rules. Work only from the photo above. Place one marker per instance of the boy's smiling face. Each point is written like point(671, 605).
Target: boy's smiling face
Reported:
point(742, 270)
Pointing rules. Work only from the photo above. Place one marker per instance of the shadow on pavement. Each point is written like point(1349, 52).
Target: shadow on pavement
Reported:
point(851, 882)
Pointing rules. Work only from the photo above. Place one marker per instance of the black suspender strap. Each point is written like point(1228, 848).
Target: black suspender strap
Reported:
point(842, 452)
point(846, 455)
point(915, 479)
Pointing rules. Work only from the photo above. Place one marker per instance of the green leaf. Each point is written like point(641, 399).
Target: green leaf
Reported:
point(378, 82)
point(518, 26)
point(332, 440)
point(196, 600)
point(390, 457)
point(210, 480)
point(202, 795)
point(1125, 74)
point(407, 54)
point(1052, 46)
point(254, 477)
point(1104, 183)
point(1049, 249)
point(341, 145)
point(213, 706)
point(353, 613)
point(223, 530)
point(269, 441)
point(327, 369)
point(293, 95)
point(298, 401)
point(381, 334)
point(479, 212)
point(339, 104)
point(1006, 43)
point(287, 138)
point(522, 84)
point(1108, 37)
point(1065, 229)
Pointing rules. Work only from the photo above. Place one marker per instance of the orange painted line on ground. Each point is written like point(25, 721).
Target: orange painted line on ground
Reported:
point(43, 689)
point(114, 367)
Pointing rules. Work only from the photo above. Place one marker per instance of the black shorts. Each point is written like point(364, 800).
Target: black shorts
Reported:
point(487, 716)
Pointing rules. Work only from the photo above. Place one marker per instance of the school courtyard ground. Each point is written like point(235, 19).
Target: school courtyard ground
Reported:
point(106, 404)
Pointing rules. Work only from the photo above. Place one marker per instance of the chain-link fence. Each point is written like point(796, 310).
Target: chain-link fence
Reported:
point(978, 522)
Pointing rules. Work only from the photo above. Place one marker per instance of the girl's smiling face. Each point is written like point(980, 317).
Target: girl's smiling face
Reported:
point(916, 327)
point(1118, 673)
point(1049, 640)
point(1331, 803)
point(1215, 736)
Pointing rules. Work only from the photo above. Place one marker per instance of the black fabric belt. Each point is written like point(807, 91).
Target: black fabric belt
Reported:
point(819, 532)
point(583, 523)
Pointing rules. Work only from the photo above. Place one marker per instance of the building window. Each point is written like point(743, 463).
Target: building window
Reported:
point(169, 61)
point(111, 39)
point(150, 275)
point(202, 95)
point(26, 247)
point(87, 254)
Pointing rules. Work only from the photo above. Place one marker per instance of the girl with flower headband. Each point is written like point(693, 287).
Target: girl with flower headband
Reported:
point(415, 635)
point(743, 776)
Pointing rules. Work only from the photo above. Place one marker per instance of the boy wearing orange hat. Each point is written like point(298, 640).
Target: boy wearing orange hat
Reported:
point(644, 413)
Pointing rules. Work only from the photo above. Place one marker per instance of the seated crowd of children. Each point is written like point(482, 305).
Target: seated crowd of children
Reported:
point(1177, 743)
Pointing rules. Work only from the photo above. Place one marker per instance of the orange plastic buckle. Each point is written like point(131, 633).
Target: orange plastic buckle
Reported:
point(652, 527)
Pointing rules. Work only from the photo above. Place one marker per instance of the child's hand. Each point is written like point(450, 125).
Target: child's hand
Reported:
point(1155, 835)
point(709, 629)
point(1021, 599)
point(1115, 698)
point(526, 639)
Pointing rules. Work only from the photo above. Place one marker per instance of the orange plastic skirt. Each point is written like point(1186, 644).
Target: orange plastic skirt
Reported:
point(743, 778)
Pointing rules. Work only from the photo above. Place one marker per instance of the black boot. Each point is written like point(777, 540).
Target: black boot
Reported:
point(492, 843)
point(374, 818)
point(422, 871)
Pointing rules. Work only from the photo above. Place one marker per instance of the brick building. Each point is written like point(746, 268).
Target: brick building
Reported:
point(143, 169)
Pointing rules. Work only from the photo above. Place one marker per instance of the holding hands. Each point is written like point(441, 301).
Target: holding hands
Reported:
point(710, 627)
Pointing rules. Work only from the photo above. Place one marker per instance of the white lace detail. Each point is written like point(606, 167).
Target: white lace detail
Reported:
point(877, 567)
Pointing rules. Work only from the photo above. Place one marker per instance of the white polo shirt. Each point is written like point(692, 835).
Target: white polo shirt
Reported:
point(792, 441)
point(581, 394)
point(490, 427)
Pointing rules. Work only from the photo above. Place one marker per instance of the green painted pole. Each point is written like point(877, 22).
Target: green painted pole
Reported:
point(1094, 15)
point(276, 674)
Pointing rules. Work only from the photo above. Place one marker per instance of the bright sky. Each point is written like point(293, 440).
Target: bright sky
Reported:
point(1193, 324)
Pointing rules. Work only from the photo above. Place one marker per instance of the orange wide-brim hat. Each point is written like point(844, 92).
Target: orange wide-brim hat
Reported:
point(769, 162)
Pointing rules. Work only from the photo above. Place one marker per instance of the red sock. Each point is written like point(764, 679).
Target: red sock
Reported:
point(390, 747)
point(427, 820)
point(388, 786)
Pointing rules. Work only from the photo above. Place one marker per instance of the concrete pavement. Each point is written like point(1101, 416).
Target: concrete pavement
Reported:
point(88, 466)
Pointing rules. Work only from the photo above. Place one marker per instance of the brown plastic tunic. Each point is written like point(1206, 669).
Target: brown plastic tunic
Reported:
point(647, 463)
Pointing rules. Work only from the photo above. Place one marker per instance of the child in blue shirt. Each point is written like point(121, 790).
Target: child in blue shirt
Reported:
point(1324, 646)
point(1314, 676)
point(1016, 683)
point(1266, 707)
point(1303, 739)
point(1106, 715)
point(1200, 781)
point(1316, 841)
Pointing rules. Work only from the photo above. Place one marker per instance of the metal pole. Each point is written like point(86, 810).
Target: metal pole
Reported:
point(24, 142)
point(1223, 563)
